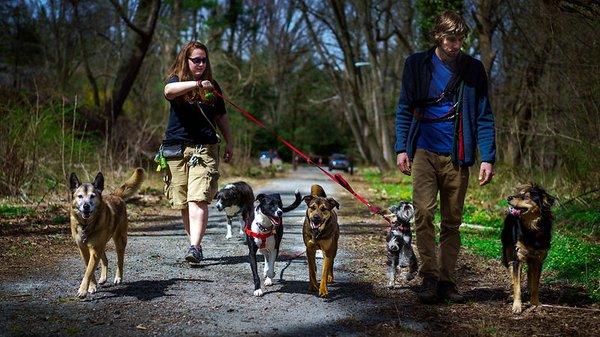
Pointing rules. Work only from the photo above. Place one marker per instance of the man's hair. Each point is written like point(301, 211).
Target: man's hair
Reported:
point(449, 23)
point(181, 69)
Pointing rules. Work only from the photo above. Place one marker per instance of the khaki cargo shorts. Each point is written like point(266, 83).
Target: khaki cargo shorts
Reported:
point(185, 183)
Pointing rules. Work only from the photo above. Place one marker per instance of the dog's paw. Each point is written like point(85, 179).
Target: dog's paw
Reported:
point(516, 308)
point(102, 280)
point(323, 293)
point(82, 293)
point(258, 292)
point(228, 236)
point(91, 288)
point(268, 281)
point(117, 280)
point(390, 284)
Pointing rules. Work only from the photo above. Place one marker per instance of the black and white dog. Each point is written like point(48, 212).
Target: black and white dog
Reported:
point(237, 199)
point(399, 242)
point(265, 234)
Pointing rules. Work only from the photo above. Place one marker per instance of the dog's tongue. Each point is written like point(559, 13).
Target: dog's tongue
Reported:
point(276, 221)
point(314, 225)
point(514, 212)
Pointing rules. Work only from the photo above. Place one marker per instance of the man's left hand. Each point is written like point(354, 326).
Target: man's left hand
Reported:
point(486, 172)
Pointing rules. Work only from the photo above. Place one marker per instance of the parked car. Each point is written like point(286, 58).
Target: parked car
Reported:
point(338, 161)
point(267, 158)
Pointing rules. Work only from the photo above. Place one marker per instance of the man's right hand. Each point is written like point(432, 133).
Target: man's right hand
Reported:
point(403, 163)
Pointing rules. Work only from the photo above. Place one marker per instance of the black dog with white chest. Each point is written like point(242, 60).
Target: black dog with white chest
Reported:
point(399, 242)
point(265, 234)
point(236, 199)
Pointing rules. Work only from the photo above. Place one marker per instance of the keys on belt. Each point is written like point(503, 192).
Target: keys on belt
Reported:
point(195, 158)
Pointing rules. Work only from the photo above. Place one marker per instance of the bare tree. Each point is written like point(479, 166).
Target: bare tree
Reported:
point(349, 35)
point(137, 43)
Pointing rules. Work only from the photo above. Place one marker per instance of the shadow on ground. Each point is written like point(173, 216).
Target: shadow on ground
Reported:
point(145, 290)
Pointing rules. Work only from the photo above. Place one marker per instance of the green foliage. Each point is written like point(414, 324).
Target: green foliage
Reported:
point(12, 211)
point(579, 219)
point(480, 216)
point(400, 190)
point(482, 242)
point(35, 145)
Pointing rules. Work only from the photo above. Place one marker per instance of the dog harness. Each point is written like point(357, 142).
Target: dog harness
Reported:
point(262, 236)
point(404, 226)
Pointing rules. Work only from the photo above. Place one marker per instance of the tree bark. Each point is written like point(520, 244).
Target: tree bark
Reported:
point(136, 46)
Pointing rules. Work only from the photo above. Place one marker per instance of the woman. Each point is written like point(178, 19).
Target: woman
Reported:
point(191, 182)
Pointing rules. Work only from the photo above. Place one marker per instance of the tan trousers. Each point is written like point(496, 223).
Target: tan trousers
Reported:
point(433, 173)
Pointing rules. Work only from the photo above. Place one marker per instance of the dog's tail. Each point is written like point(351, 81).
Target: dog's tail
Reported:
point(132, 184)
point(295, 204)
point(317, 191)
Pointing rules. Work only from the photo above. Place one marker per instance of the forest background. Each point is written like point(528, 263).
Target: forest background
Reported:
point(81, 88)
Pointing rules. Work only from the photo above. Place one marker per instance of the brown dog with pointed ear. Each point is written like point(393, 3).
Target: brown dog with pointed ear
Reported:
point(320, 231)
point(95, 218)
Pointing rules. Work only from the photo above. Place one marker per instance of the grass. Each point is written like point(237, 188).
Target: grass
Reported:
point(11, 211)
point(575, 253)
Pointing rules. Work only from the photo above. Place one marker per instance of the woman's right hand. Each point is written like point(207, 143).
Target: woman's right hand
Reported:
point(206, 84)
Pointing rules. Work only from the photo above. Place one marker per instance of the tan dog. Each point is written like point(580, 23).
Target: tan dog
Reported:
point(95, 219)
point(320, 231)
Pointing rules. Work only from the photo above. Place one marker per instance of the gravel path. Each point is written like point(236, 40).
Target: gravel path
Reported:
point(163, 296)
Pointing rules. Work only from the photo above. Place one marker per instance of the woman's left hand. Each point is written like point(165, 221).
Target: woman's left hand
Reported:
point(228, 153)
point(206, 84)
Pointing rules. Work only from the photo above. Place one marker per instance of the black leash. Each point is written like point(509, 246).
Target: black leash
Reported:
point(288, 264)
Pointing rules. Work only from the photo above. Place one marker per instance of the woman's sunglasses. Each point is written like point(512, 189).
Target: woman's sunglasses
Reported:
point(198, 60)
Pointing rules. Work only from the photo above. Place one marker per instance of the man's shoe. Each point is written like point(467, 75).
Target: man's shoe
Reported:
point(447, 291)
point(428, 293)
point(194, 255)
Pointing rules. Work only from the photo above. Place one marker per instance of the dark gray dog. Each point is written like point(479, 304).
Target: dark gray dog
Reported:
point(399, 242)
point(236, 199)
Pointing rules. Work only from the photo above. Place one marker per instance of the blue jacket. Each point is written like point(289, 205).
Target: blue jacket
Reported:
point(474, 123)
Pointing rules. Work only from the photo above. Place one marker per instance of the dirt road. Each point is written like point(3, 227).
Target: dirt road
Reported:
point(163, 296)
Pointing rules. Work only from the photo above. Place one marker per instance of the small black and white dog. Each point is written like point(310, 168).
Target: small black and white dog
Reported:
point(265, 234)
point(399, 242)
point(237, 199)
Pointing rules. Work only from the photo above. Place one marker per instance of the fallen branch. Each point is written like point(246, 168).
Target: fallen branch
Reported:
point(570, 308)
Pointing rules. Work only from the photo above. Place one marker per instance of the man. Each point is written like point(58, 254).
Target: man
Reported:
point(443, 114)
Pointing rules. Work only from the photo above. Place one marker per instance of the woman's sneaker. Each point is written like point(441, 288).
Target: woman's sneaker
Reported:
point(194, 255)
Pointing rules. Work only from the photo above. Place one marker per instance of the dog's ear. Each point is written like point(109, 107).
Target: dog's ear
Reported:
point(73, 182)
point(308, 198)
point(548, 200)
point(99, 182)
point(333, 203)
point(260, 197)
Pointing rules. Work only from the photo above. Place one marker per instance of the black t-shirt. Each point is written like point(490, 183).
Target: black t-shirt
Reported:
point(187, 125)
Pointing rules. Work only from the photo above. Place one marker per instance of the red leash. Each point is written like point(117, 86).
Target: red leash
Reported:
point(335, 177)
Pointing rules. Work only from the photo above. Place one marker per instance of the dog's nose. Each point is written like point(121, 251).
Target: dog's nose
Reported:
point(316, 219)
point(279, 213)
point(86, 207)
point(510, 197)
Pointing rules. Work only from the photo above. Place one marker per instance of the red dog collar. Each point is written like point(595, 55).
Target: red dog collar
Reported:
point(262, 236)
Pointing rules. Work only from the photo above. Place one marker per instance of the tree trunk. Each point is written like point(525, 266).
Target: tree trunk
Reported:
point(136, 46)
